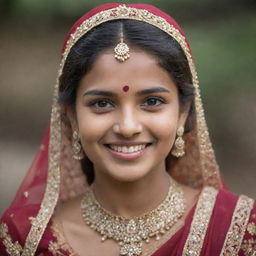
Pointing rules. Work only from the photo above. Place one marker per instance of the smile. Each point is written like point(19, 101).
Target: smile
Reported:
point(127, 152)
point(128, 149)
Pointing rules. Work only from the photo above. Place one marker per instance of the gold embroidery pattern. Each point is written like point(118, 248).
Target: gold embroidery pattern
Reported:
point(249, 247)
point(12, 248)
point(199, 225)
point(208, 162)
point(61, 243)
point(237, 227)
point(251, 228)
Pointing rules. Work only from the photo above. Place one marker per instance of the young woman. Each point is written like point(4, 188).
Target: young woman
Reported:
point(126, 166)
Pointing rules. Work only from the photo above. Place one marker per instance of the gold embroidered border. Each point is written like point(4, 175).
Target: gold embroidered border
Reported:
point(51, 195)
point(199, 225)
point(12, 248)
point(237, 227)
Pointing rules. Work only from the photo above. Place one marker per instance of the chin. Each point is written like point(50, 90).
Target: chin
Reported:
point(127, 174)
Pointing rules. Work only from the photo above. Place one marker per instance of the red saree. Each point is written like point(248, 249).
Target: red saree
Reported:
point(219, 224)
point(227, 226)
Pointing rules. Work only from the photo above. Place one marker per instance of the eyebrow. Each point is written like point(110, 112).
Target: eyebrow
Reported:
point(139, 93)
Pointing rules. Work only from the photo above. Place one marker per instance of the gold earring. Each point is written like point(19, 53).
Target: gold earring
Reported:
point(179, 144)
point(77, 147)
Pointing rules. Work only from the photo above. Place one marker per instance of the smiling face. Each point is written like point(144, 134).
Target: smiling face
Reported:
point(127, 134)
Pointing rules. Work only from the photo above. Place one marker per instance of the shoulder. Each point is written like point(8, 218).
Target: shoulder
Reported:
point(233, 209)
point(14, 227)
point(240, 213)
point(228, 218)
point(228, 202)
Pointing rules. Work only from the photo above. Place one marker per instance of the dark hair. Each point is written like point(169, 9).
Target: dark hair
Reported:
point(168, 53)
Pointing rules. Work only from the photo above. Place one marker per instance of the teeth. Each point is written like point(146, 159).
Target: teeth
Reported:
point(128, 149)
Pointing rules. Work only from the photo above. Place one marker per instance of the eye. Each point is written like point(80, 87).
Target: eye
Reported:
point(101, 104)
point(153, 102)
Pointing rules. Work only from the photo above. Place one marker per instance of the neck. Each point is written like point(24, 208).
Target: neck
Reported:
point(130, 199)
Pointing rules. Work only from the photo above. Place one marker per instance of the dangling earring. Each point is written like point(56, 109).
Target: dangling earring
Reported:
point(77, 147)
point(179, 144)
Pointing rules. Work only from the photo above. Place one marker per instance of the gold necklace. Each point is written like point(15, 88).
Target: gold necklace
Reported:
point(130, 232)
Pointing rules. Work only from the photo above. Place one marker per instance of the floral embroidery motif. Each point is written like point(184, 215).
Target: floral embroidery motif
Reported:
point(249, 247)
point(251, 228)
point(199, 225)
point(12, 248)
point(61, 244)
point(237, 227)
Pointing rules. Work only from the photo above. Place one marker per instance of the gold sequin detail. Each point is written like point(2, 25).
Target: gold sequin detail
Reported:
point(26, 194)
point(251, 228)
point(207, 159)
point(237, 227)
point(249, 247)
point(12, 248)
point(200, 222)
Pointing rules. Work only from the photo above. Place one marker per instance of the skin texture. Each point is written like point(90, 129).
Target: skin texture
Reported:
point(125, 187)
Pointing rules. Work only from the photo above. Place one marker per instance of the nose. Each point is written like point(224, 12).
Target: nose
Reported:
point(127, 124)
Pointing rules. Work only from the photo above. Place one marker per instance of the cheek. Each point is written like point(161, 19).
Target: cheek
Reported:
point(91, 128)
point(166, 121)
point(164, 127)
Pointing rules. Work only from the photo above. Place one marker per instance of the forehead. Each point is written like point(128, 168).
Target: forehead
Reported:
point(140, 70)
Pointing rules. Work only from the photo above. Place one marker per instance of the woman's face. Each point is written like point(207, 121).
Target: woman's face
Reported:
point(127, 134)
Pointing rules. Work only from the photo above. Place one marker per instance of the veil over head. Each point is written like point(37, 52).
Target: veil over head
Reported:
point(55, 176)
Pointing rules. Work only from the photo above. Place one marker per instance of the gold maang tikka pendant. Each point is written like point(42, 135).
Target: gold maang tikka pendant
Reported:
point(122, 51)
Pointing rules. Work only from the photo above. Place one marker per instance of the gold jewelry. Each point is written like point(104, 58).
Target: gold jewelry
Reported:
point(179, 144)
point(131, 232)
point(77, 147)
point(122, 51)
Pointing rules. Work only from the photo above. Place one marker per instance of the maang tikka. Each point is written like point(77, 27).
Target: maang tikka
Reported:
point(122, 51)
point(179, 144)
point(77, 147)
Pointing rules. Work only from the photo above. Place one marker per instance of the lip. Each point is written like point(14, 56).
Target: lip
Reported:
point(128, 156)
point(127, 143)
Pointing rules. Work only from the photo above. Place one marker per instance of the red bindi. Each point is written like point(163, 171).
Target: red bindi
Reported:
point(126, 88)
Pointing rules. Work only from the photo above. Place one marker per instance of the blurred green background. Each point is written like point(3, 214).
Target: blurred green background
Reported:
point(223, 39)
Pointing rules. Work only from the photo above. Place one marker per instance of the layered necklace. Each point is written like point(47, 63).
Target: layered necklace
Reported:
point(131, 232)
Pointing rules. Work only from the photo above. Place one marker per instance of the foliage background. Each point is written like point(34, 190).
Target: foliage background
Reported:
point(223, 38)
